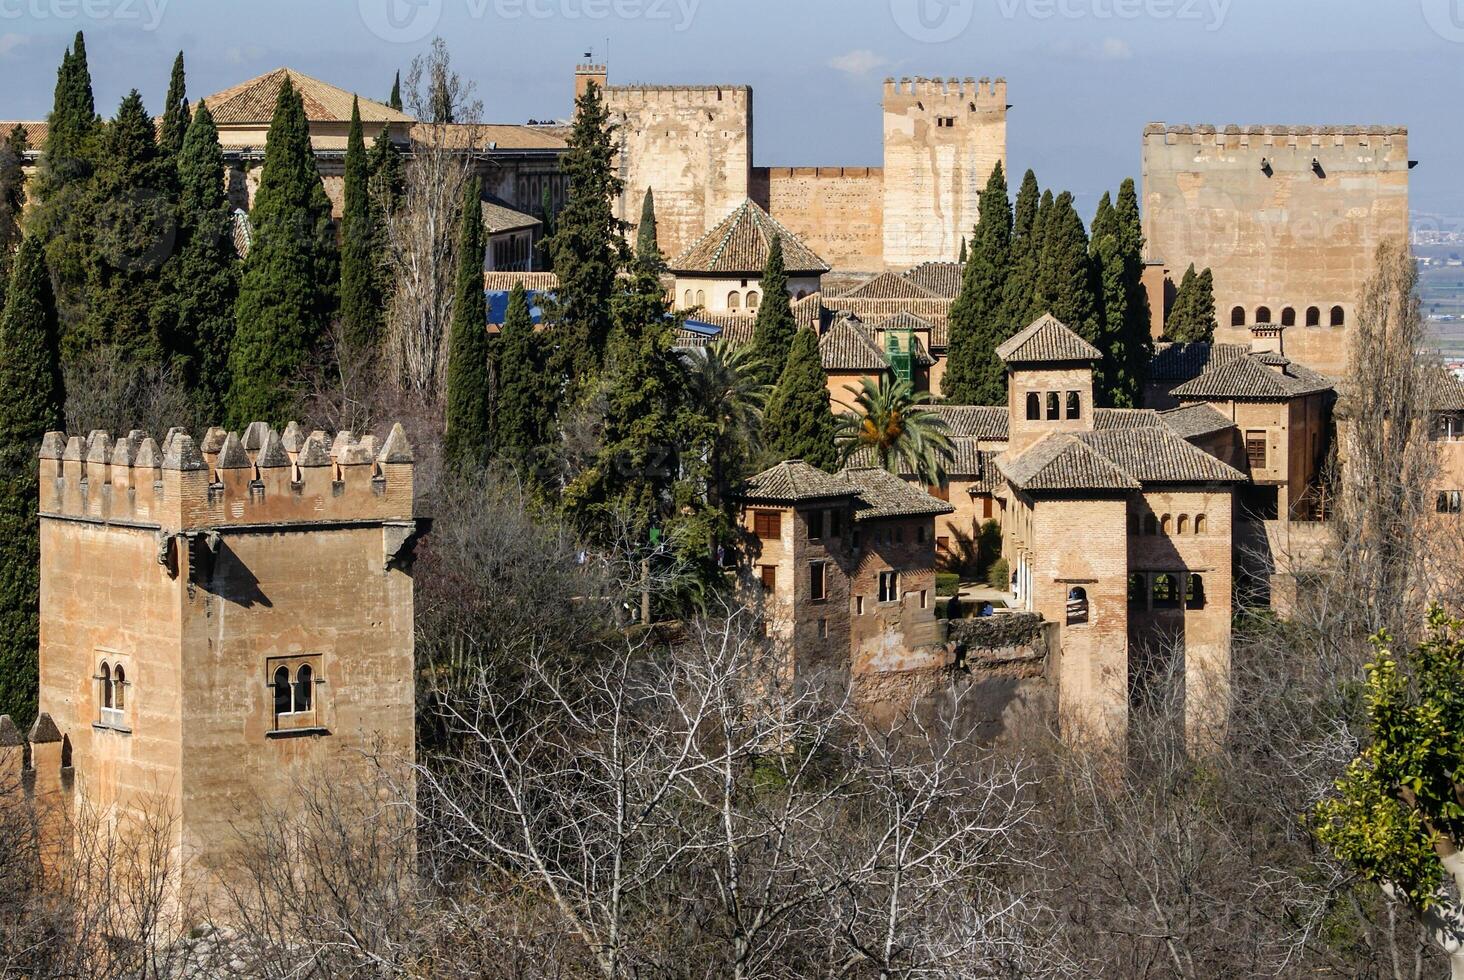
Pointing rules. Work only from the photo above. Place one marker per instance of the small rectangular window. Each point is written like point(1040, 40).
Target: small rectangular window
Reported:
point(889, 586)
point(922, 534)
point(1255, 450)
point(823, 629)
point(815, 523)
point(836, 523)
point(818, 585)
point(923, 598)
point(769, 577)
point(767, 524)
point(859, 605)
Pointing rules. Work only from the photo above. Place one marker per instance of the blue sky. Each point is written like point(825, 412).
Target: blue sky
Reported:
point(1084, 75)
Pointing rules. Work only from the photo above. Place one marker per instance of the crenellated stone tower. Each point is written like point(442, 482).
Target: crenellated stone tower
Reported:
point(221, 623)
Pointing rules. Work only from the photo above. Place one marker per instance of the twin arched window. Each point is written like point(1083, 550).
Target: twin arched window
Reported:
point(113, 680)
point(297, 697)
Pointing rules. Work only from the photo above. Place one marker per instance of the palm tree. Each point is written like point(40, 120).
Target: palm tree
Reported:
point(728, 399)
point(894, 423)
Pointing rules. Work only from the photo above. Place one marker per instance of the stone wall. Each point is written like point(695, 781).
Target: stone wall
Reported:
point(1286, 218)
point(693, 144)
point(942, 137)
point(837, 211)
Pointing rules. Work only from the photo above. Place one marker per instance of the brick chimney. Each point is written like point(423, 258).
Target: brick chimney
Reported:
point(1266, 339)
point(585, 74)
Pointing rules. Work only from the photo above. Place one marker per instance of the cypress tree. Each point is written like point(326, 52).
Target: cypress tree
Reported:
point(468, 439)
point(287, 292)
point(647, 241)
point(974, 374)
point(1065, 282)
point(12, 201)
point(1138, 344)
point(1179, 320)
point(176, 115)
point(1110, 382)
point(798, 422)
point(388, 173)
point(133, 200)
point(1022, 278)
point(963, 250)
point(31, 399)
point(775, 327)
point(203, 276)
point(395, 99)
point(361, 301)
point(1105, 222)
point(546, 215)
point(518, 411)
point(64, 217)
point(588, 246)
point(1192, 317)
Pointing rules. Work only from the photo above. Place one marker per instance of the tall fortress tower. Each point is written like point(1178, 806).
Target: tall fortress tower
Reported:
point(693, 146)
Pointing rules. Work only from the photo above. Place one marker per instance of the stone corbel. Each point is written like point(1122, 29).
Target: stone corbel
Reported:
point(399, 540)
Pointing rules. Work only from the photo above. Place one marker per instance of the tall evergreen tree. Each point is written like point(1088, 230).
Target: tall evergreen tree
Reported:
point(287, 293)
point(1105, 221)
point(64, 217)
point(1065, 282)
point(588, 245)
point(547, 215)
point(31, 400)
point(1021, 281)
point(395, 99)
point(1138, 345)
point(176, 114)
point(518, 411)
point(133, 201)
point(203, 276)
point(647, 241)
point(974, 374)
point(964, 255)
point(469, 396)
point(12, 201)
point(1109, 382)
point(798, 422)
point(388, 173)
point(1192, 317)
point(361, 301)
point(775, 327)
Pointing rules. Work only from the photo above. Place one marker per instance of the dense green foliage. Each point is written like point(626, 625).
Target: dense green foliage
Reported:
point(895, 425)
point(1130, 371)
point(64, 217)
point(287, 293)
point(1192, 316)
point(1022, 276)
point(362, 305)
point(647, 243)
point(799, 423)
point(518, 411)
point(176, 114)
point(467, 442)
point(1065, 286)
point(30, 405)
point(12, 200)
point(978, 324)
point(775, 326)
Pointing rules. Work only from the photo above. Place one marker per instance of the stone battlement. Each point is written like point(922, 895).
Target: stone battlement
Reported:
point(987, 93)
point(263, 478)
point(1233, 135)
point(679, 94)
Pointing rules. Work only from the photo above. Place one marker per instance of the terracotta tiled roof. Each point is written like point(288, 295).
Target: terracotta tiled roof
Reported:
point(904, 320)
point(888, 285)
point(1193, 421)
point(884, 495)
point(1047, 341)
point(498, 217)
point(488, 137)
point(811, 314)
point(935, 311)
point(1184, 362)
point(1449, 394)
point(534, 282)
point(968, 462)
point(1157, 455)
point(254, 101)
point(940, 278)
point(989, 423)
point(739, 246)
point(1064, 462)
point(243, 231)
point(35, 132)
point(847, 347)
point(1110, 419)
point(1252, 378)
point(794, 481)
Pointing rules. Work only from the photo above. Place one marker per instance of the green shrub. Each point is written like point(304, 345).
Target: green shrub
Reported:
point(947, 583)
point(999, 576)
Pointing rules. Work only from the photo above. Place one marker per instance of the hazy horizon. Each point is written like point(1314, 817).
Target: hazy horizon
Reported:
point(1084, 76)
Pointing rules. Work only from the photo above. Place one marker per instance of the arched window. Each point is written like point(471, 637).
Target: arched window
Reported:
point(1053, 413)
point(106, 686)
point(1313, 316)
point(1165, 525)
point(119, 688)
point(1151, 526)
point(1263, 314)
point(734, 300)
point(688, 302)
point(1194, 597)
point(1200, 524)
point(282, 693)
point(1074, 405)
point(1288, 317)
point(1237, 316)
point(1182, 525)
point(1034, 406)
point(1166, 591)
point(753, 299)
point(1138, 589)
point(1339, 317)
point(304, 688)
point(701, 297)
point(1077, 606)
